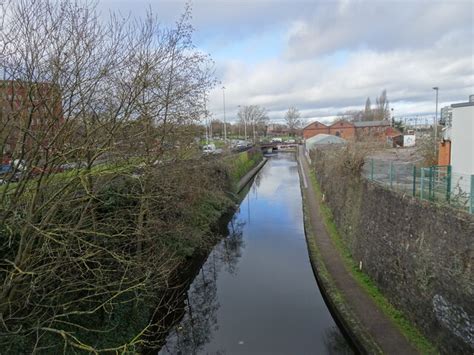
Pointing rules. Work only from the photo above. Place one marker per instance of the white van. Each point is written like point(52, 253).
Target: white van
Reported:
point(209, 148)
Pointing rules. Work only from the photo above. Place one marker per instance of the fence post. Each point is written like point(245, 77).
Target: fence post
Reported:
point(422, 182)
point(372, 169)
point(471, 205)
point(448, 184)
point(391, 174)
point(430, 190)
point(414, 180)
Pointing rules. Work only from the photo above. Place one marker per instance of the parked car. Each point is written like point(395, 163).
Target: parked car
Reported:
point(277, 140)
point(8, 173)
point(209, 148)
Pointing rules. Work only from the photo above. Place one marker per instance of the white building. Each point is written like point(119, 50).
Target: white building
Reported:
point(462, 145)
point(462, 138)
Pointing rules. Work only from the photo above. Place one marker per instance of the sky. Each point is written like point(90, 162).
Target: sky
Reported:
point(327, 57)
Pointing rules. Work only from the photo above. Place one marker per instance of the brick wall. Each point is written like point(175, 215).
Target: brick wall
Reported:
point(314, 129)
point(343, 129)
point(444, 155)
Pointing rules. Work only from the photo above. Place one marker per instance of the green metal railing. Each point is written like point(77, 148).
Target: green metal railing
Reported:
point(436, 183)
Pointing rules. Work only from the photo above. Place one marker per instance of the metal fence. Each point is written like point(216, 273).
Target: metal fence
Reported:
point(437, 183)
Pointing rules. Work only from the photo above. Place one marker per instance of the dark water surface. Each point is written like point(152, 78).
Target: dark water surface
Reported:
point(256, 293)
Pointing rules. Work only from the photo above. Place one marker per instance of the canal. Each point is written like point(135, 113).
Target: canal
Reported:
point(256, 293)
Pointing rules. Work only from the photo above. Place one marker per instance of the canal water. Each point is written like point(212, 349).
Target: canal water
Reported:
point(256, 293)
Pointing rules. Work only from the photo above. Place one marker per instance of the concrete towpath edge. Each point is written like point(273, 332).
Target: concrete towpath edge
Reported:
point(249, 176)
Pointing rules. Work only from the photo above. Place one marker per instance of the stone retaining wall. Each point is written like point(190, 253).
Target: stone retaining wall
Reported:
point(420, 255)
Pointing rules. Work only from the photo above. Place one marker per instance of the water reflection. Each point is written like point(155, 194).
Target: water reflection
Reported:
point(201, 304)
point(256, 293)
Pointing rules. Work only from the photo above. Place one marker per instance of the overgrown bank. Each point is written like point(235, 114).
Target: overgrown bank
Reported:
point(415, 254)
point(243, 162)
point(105, 193)
point(100, 272)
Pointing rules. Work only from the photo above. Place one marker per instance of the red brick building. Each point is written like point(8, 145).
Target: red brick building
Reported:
point(351, 130)
point(30, 114)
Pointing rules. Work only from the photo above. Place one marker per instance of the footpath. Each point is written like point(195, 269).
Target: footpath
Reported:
point(369, 328)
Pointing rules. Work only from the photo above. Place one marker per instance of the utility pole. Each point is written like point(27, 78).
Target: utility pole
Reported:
point(225, 128)
point(436, 120)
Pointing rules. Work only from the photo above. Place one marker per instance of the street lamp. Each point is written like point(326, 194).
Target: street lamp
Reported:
point(436, 120)
point(225, 128)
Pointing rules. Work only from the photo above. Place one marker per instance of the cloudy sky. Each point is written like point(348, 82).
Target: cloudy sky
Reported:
point(325, 57)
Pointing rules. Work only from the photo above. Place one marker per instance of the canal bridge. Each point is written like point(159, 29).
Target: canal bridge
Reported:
point(276, 146)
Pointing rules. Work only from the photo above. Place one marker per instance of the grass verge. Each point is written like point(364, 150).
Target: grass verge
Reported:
point(406, 327)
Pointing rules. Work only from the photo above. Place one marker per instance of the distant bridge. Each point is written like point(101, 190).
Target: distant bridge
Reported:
point(270, 147)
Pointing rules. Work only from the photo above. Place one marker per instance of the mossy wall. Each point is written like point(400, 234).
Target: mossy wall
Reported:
point(419, 254)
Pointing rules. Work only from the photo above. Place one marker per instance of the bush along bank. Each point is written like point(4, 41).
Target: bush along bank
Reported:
point(414, 255)
point(89, 274)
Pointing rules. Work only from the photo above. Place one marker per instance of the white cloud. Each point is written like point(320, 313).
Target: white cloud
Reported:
point(332, 54)
point(318, 88)
point(381, 25)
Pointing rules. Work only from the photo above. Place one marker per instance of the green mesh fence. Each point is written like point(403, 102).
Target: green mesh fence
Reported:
point(437, 183)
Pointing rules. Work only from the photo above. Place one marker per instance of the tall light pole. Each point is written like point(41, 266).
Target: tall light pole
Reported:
point(436, 120)
point(225, 128)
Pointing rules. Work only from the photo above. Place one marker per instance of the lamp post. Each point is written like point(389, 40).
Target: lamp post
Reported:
point(436, 120)
point(225, 128)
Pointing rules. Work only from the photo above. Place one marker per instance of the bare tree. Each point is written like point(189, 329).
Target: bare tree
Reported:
point(382, 111)
point(115, 104)
point(368, 114)
point(254, 117)
point(350, 116)
point(293, 120)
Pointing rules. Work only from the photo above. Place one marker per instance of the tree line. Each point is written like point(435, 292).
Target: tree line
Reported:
point(253, 121)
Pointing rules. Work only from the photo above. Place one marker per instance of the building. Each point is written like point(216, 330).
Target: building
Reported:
point(275, 129)
point(30, 114)
point(323, 139)
point(462, 138)
point(351, 130)
point(457, 150)
point(446, 116)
